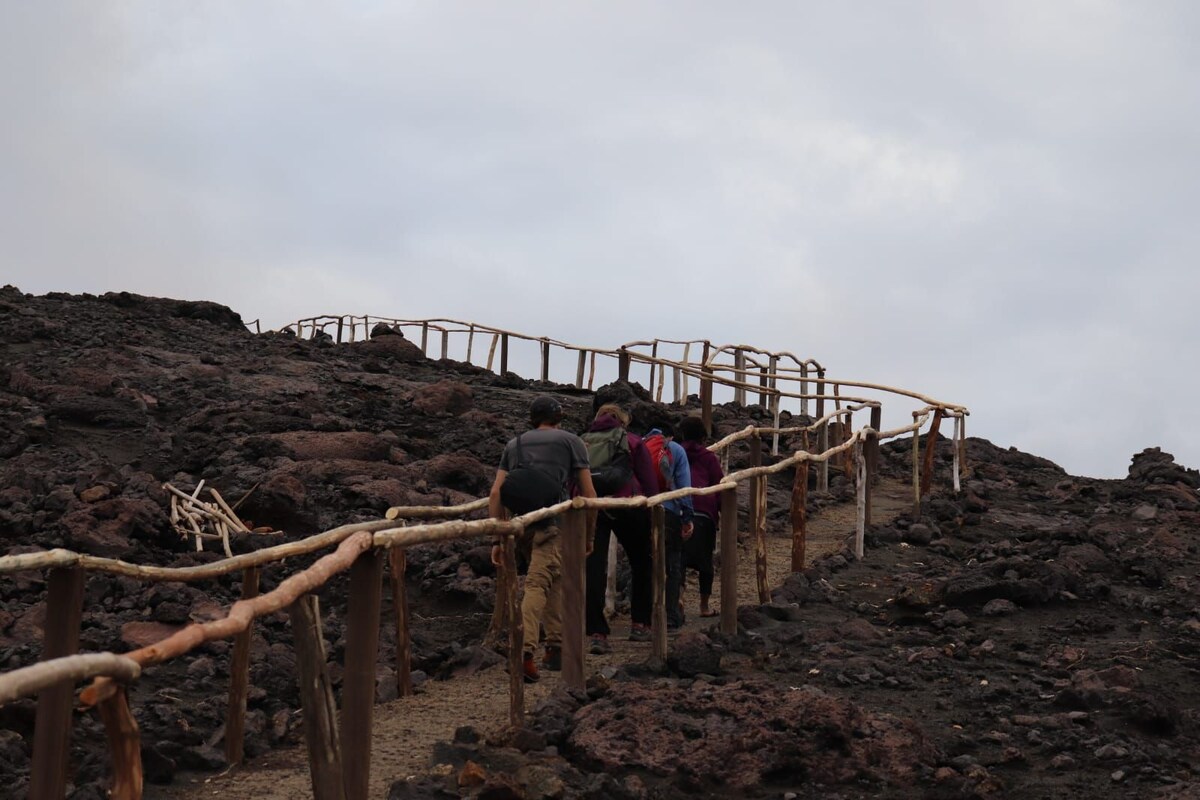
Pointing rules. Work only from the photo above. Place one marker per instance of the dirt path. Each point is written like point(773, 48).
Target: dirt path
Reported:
point(405, 730)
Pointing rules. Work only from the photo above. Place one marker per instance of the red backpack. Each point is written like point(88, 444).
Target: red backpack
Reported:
point(660, 456)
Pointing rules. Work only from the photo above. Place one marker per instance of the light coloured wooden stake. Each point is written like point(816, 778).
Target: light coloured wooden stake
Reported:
point(860, 530)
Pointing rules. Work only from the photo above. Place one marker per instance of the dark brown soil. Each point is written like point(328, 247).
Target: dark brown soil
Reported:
point(1036, 636)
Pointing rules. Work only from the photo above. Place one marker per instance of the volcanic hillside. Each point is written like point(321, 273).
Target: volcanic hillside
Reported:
point(1037, 635)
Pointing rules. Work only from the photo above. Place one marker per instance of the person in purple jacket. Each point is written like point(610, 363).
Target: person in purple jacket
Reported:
point(631, 526)
point(706, 471)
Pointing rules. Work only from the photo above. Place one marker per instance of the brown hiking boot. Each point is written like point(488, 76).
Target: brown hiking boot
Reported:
point(552, 660)
point(531, 670)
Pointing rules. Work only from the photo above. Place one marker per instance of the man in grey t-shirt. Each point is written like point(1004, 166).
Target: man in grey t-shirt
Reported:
point(563, 457)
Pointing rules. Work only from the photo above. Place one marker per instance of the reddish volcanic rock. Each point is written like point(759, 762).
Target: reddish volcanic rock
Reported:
point(736, 735)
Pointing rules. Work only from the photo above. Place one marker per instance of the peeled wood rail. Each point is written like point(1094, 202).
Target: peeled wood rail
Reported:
point(358, 550)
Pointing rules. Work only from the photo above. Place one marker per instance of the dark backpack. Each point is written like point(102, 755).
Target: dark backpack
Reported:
point(527, 488)
point(660, 457)
point(608, 457)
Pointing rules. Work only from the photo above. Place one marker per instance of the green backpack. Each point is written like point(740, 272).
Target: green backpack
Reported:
point(608, 457)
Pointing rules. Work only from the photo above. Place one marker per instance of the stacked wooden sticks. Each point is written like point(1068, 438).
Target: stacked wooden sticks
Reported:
point(191, 516)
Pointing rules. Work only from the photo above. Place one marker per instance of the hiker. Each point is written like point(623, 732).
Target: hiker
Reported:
point(705, 471)
point(537, 469)
point(671, 468)
point(620, 468)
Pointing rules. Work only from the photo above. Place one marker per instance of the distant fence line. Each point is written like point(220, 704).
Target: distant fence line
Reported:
point(340, 749)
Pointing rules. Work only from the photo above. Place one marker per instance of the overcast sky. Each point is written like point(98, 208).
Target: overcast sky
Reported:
point(992, 203)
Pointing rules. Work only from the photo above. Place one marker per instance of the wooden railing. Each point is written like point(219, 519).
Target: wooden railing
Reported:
point(340, 748)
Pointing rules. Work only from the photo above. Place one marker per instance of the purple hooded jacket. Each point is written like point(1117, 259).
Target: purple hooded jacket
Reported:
point(639, 458)
point(706, 471)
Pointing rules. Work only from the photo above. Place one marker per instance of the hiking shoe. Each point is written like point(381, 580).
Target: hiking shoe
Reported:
point(531, 670)
point(599, 645)
point(639, 633)
point(552, 660)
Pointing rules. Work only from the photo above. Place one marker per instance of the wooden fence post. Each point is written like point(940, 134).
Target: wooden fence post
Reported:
point(580, 369)
point(425, 339)
point(739, 366)
point(545, 360)
point(316, 698)
point(52, 727)
point(341, 322)
point(916, 468)
point(930, 447)
point(124, 745)
point(623, 364)
point(239, 678)
point(397, 564)
point(758, 520)
point(491, 359)
point(658, 619)
point(860, 530)
point(729, 565)
point(516, 636)
point(574, 577)
point(706, 392)
point(445, 345)
point(653, 368)
point(358, 681)
point(872, 453)
point(503, 354)
point(800, 513)
point(822, 434)
point(763, 383)
point(470, 341)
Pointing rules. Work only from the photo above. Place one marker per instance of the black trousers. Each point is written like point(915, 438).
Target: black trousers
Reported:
point(698, 551)
point(632, 529)
point(674, 547)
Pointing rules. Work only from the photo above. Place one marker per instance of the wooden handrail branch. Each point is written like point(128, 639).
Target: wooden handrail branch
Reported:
point(243, 612)
point(66, 558)
point(44, 674)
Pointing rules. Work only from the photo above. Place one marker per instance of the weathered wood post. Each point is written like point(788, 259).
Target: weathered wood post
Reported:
point(574, 578)
point(579, 369)
point(52, 727)
point(872, 453)
point(706, 392)
point(425, 338)
point(861, 506)
point(653, 367)
point(822, 434)
point(799, 512)
point(239, 678)
point(316, 698)
point(503, 354)
point(658, 619)
point(516, 636)
point(930, 447)
point(445, 345)
point(763, 383)
point(124, 745)
point(729, 558)
point(954, 445)
point(545, 359)
point(803, 390)
point(916, 466)
point(491, 359)
point(358, 682)
point(623, 364)
point(739, 366)
point(775, 399)
point(341, 322)
point(962, 441)
point(397, 565)
point(758, 520)
point(470, 341)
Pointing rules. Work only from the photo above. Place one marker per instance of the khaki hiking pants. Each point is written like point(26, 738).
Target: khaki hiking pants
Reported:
point(542, 602)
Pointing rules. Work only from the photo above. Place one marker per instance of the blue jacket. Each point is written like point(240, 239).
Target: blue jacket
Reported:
point(681, 478)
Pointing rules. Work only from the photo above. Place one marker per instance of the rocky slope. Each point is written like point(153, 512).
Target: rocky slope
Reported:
point(1037, 636)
